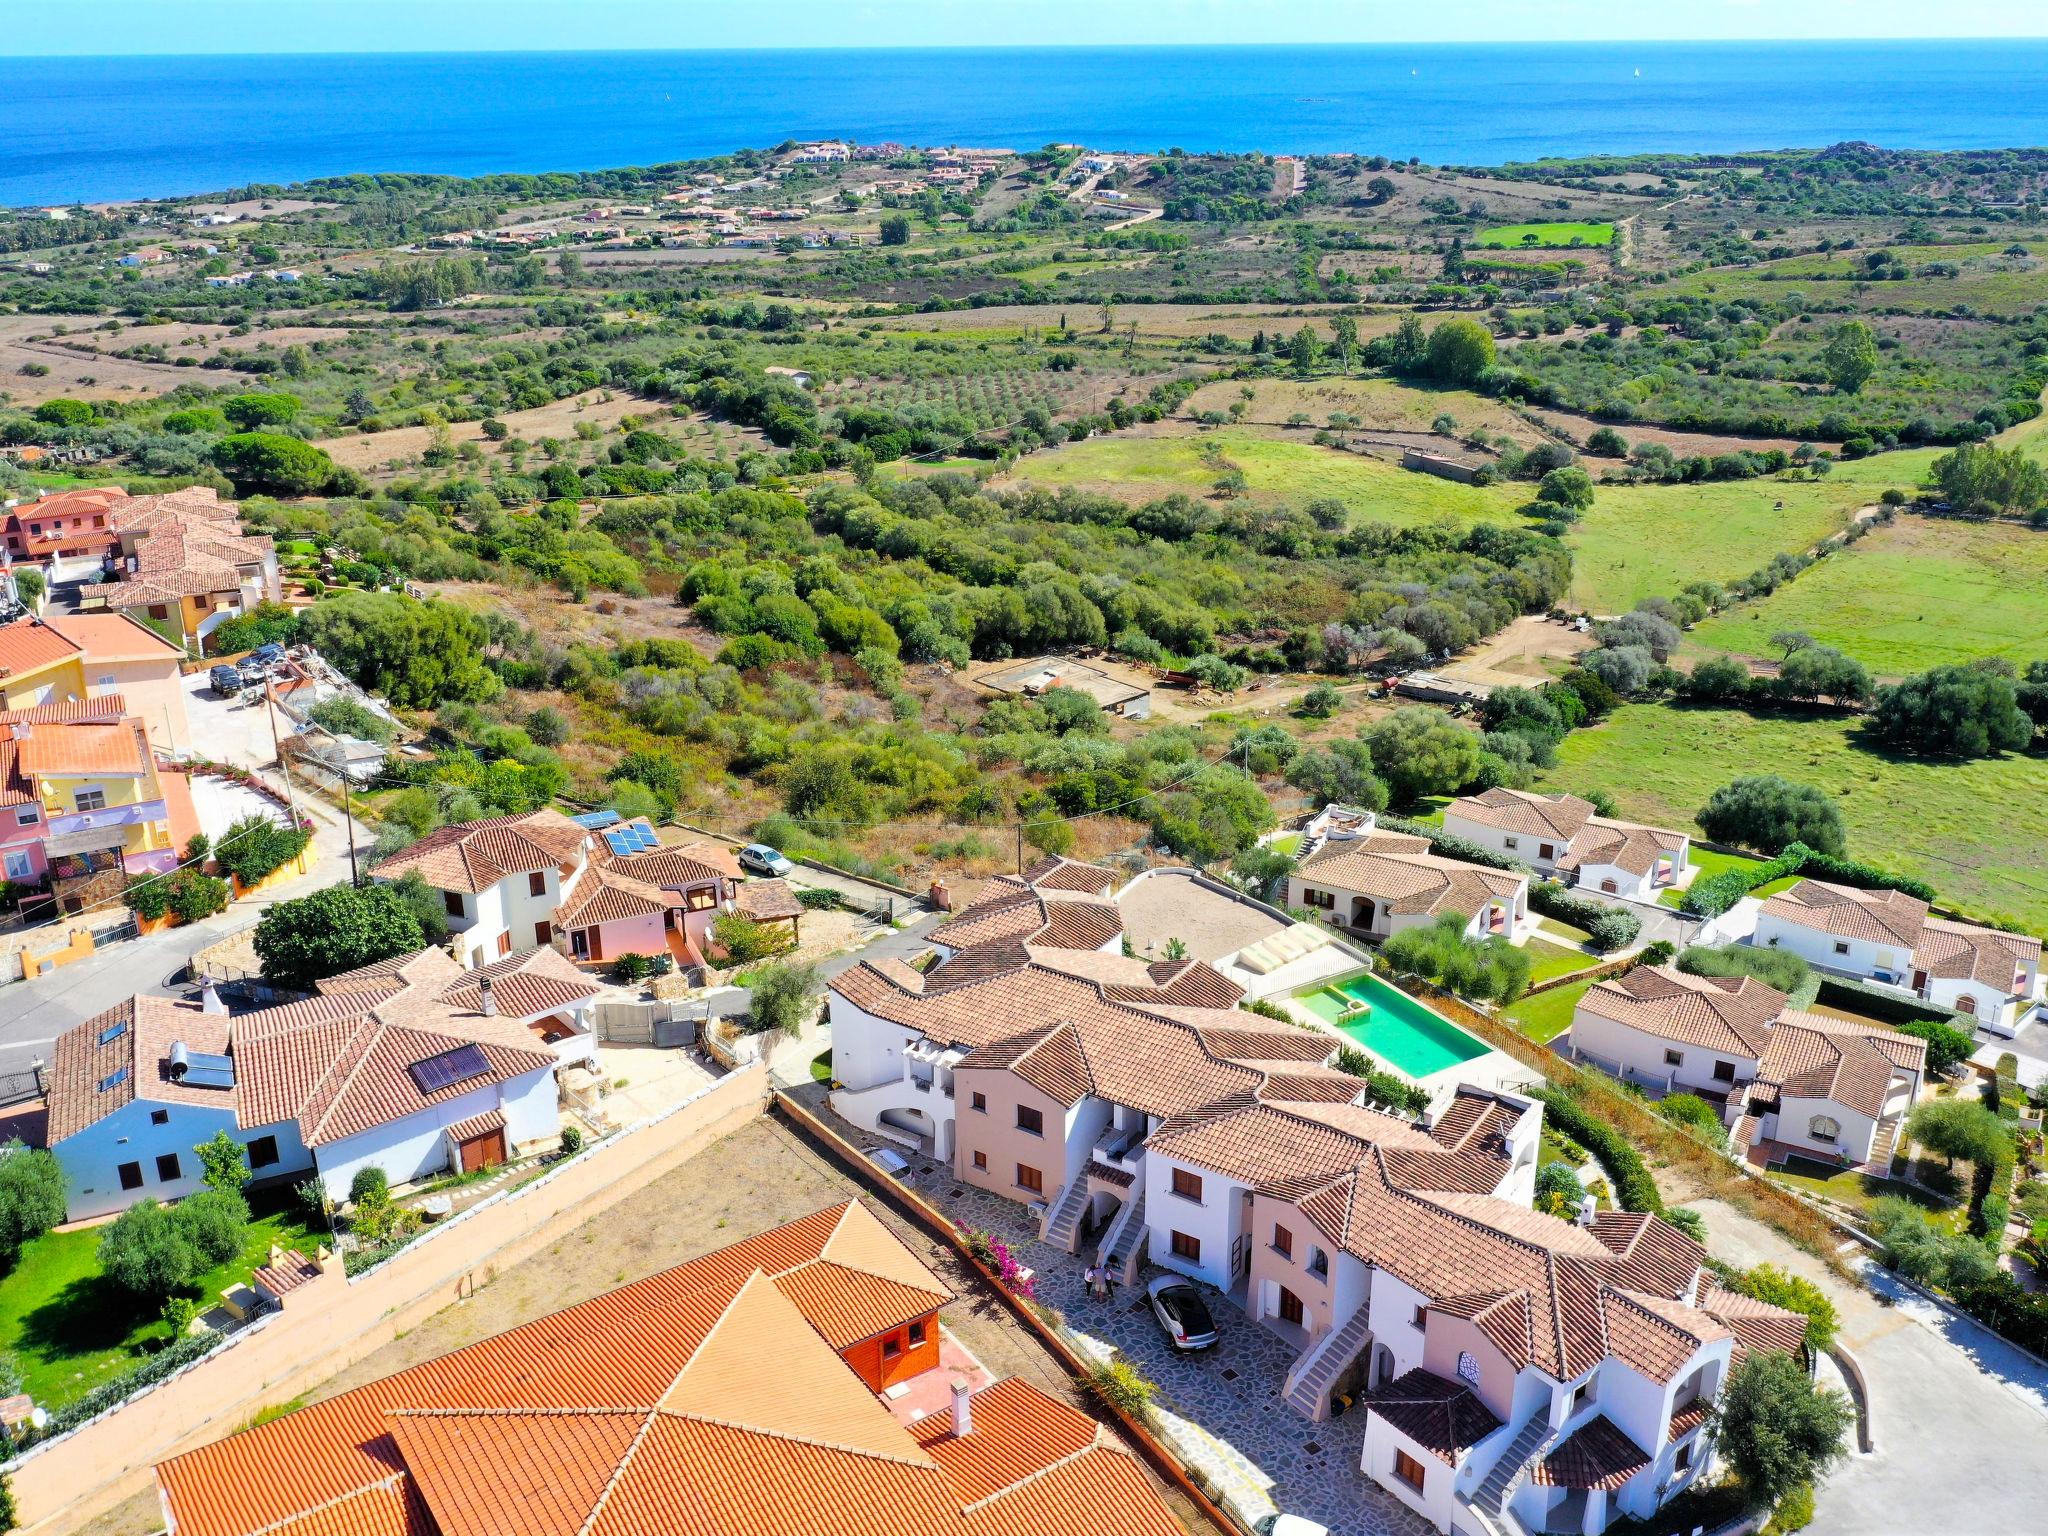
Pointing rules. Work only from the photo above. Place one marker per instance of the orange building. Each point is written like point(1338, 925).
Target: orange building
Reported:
point(713, 1399)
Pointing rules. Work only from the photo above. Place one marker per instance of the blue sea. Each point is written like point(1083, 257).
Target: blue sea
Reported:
point(93, 129)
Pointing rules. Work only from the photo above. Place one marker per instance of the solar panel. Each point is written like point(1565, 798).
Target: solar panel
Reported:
point(114, 1079)
point(620, 843)
point(643, 836)
point(205, 1069)
point(449, 1068)
point(592, 821)
point(113, 1032)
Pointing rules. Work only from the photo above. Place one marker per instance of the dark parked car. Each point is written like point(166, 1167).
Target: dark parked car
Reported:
point(1181, 1312)
point(267, 655)
point(226, 680)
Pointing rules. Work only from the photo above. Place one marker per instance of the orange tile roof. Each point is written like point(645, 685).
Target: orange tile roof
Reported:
point(114, 637)
point(476, 855)
point(29, 645)
point(81, 751)
point(704, 1401)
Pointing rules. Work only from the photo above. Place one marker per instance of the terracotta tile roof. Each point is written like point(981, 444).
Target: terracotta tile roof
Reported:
point(84, 751)
point(1719, 1013)
point(29, 645)
point(1755, 1324)
point(422, 967)
point(105, 709)
point(1518, 810)
point(705, 1401)
point(285, 1272)
point(605, 896)
point(89, 1080)
point(1595, 1455)
point(675, 868)
point(768, 900)
point(1965, 952)
point(1625, 844)
point(1655, 1336)
point(1812, 1056)
point(1655, 1256)
point(537, 981)
point(1392, 870)
point(476, 855)
point(1006, 911)
point(1877, 917)
point(1057, 874)
point(185, 543)
point(1442, 1416)
point(478, 1125)
point(1688, 1419)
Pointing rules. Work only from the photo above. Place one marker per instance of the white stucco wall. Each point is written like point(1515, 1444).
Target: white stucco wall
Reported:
point(417, 1145)
point(1520, 845)
point(1619, 1043)
point(1858, 957)
point(1216, 1221)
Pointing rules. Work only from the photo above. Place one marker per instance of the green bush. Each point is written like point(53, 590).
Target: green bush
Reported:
point(1608, 928)
point(194, 896)
point(632, 968)
point(1633, 1186)
point(783, 997)
point(1489, 968)
point(1776, 1429)
point(1766, 1282)
point(745, 941)
point(1118, 1383)
point(1558, 1190)
point(1778, 968)
point(369, 1185)
point(31, 1197)
point(1695, 1114)
point(302, 941)
point(572, 1141)
point(1383, 1090)
point(148, 896)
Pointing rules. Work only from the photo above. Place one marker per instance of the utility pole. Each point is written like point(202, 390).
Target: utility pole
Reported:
point(283, 767)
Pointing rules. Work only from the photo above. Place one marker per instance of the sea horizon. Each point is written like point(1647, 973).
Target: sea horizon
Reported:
point(118, 127)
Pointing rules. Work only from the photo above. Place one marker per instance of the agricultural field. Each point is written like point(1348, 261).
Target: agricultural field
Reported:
point(1545, 236)
point(1986, 281)
point(1977, 831)
point(1377, 405)
point(1920, 592)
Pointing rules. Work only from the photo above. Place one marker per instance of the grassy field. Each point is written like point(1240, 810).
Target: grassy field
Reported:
point(1650, 540)
point(1977, 831)
point(69, 1330)
point(1710, 864)
point(1922, 592)
point(1555, 959)
point(1546, 1015)
point(1989, 281)
point(1275, 470)
point(1516, 237)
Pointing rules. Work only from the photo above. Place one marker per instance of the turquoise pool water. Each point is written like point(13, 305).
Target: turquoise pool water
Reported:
point(1392, 1025)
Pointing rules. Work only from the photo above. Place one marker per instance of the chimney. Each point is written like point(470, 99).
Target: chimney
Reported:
point(209, 997)
point(1589, 1208)
point(963, 1408)
point(327, 1260)
point(276, 1254)
point(488, 1006)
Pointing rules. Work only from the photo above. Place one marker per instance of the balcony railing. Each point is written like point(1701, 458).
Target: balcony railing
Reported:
point(83, 866)
point(108, 816)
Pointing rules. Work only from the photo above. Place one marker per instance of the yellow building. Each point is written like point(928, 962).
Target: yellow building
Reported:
point(68, 658)
point(85, 804)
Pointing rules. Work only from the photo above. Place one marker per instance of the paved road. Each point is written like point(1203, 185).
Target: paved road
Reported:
point(1959, 1417)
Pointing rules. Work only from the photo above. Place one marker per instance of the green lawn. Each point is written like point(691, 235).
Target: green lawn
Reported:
point(1919, 593)
point(1546, 1015)
point(1563, 933)
point(1286, 843)
point(1709, 864)
point(1847, 1187)
point(70, 1330)
point(1515, 237)
point(1978, 831)
point(1556, 960)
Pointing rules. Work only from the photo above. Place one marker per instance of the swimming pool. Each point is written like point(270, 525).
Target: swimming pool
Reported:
point(1383, 1019)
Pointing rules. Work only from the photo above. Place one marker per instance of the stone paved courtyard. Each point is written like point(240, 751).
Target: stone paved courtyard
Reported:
point(1243, 1433)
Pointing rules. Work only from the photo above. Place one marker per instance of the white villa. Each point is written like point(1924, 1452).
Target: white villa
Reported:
point(411, 1065)
point(1787, 1080)
point(1562, 835)
point(1888, 938)
point(1375, 884)
point(1506, 1360)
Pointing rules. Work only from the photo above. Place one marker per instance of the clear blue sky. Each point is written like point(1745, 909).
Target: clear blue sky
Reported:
point(355, 26)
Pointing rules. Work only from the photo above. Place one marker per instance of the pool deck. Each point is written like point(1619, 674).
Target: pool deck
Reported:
point(1490, 1069)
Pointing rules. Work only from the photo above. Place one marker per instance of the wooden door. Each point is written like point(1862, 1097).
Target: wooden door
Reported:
point(485, 1151)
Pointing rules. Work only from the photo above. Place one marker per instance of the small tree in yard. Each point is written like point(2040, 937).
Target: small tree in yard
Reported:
point(1768, 812)
point(1957, 1128)
point(335, 930)
point(31, 1198)
point(1778, 1431)
point(784, 996)
point(223, 1163)
point(145, 1253)
point(1558, 1190)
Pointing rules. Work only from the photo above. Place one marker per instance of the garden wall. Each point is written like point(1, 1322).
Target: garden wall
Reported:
point(63, 1483)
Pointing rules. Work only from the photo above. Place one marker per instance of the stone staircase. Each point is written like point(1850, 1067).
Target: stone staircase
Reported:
point(1123, 1245)
point(1884, 1144)
point(1063, 1216)
point(1498, 1486)
point(1308, 1383)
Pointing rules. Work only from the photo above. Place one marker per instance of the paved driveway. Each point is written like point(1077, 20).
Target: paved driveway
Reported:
point(1959, 1417)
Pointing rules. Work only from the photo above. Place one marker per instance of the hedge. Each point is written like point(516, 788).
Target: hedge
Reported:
point(2008, 1309)
point(1946, 1044)
point(1609, 928)
point(1717, 893)
point(1451, 846)
point(1633, 1186)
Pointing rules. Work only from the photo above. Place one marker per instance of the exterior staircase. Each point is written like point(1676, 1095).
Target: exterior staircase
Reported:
point(1063, 1216)
point(1883, 1144)
point(1498, 1486)
point(1123, 1245)
point(1307, 1387)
